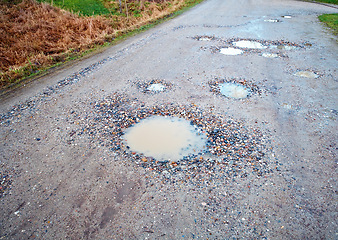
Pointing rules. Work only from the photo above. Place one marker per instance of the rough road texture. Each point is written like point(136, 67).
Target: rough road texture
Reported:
point(270, 168)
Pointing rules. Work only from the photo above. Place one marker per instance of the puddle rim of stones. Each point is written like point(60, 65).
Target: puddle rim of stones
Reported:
point(254, 89)
point(257, 140)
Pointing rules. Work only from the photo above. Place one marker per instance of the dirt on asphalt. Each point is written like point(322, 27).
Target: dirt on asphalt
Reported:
point(268, 169)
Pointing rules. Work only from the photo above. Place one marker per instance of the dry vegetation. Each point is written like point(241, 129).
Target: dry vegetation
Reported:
point(35, 35)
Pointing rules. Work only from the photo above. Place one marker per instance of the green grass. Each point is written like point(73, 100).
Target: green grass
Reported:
point(83, 7)
point(331, 20)
point(328, 1)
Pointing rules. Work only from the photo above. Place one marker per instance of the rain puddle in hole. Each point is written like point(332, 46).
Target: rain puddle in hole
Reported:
point(306, 74)
point(270, 55)
point(234, 90)
point(272, 20)
point(231, 51)
point(165, 138)
point(204, 39)
point(249, 44)
point(156, 87)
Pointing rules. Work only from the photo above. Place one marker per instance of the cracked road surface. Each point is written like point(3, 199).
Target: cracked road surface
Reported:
point(269, 168)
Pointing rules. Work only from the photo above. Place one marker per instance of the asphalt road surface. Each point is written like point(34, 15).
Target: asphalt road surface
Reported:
point(267, 171)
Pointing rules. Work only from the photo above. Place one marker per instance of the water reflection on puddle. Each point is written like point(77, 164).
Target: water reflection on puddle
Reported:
point(165, 138)
point(249, 44)
point(270, 55)
point(306, 74)
point(234, 90)
point(204, 39)
point(231, 51)
point(156, 87)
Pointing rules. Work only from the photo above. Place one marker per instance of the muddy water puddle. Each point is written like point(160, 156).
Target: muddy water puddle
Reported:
point(165, 138)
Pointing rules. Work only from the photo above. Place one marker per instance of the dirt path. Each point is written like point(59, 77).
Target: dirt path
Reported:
point(268, 170)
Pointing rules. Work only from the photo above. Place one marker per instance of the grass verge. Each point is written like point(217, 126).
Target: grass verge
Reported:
point(37, 36)
point(328, 1)
point(82, 7)
point(331, 20)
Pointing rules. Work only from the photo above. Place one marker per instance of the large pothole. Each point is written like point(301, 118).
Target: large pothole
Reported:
point(173, 138)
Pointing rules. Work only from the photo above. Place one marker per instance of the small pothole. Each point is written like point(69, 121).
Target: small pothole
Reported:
point(154, 86)
point(234, 88)
point(306, 74)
